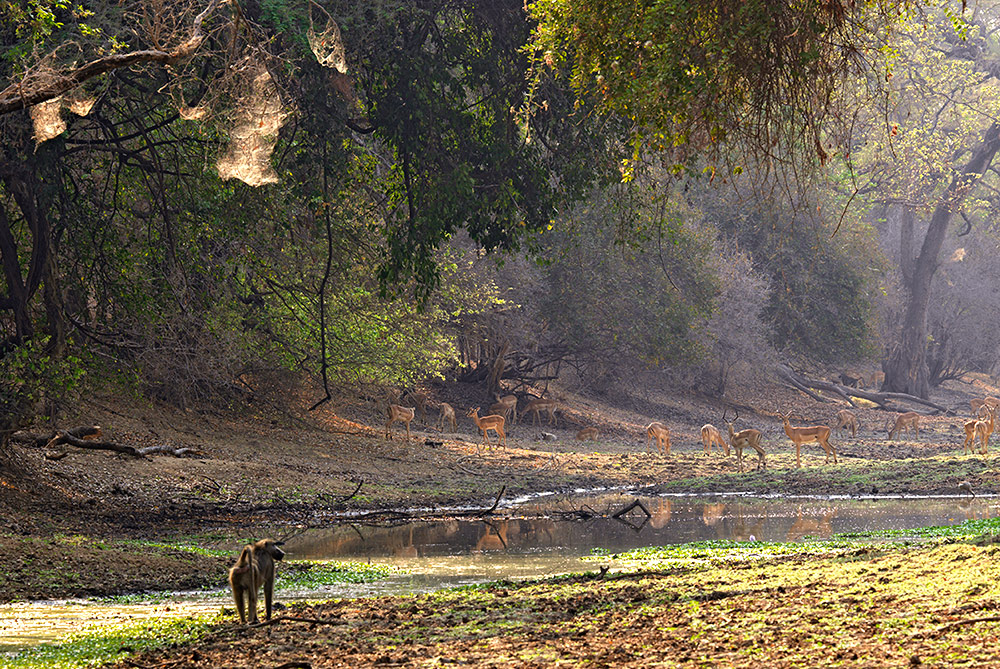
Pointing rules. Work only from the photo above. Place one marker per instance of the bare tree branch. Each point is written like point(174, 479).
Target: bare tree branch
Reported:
point(14, 97)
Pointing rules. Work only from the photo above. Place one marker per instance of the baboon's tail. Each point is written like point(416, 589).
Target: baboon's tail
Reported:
point(245, 560)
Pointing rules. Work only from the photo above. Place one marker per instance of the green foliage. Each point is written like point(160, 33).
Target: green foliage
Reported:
point(823, 281)
point(629, 283)
point(690, 75)
point(704, 554)
point(439, 83)
point(966, 530)
point(28, 375)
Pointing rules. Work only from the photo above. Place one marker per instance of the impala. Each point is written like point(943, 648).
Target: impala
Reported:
point(979, 428)
point(587, 433)
point(904, 421)
point(978, 404)
point(419, 399)
point(487, 423)
point(711, 435)
point(805, 435)
point(661, 433)
point(447, 414)
point(740, 440)
point(847, 420)
point(509, 405)
point(399, 414)
point(537, 406)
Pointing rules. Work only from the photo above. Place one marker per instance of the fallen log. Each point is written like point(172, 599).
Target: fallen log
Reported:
point(882, 399)
point(65, 437)
point(166, 449)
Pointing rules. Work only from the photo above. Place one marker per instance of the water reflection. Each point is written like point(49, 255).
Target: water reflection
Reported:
point(538, 543)
point(672, 520)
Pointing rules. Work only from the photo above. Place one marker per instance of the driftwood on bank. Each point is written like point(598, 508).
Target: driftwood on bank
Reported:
point(88, 437)
point(803, 383)
point(391, 515)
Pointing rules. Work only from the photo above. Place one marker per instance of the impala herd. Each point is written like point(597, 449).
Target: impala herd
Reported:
point(504, 412)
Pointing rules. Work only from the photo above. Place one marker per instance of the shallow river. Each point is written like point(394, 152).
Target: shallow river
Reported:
point(440, 554)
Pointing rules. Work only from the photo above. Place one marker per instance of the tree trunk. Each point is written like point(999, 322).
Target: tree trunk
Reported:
point(906, 369)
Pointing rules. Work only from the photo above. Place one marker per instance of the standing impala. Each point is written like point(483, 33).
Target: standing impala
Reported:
point(740, 440)
point(805, 435)
point(540, 405)
point(508, 408)
point(487, 423)
point(979, 428)
point(400, 414)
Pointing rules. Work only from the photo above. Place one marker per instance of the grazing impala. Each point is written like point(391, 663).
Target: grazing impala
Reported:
point(904, 421)
point(846, 420)
point(587, 433)
point(711, 435)
point(537, 406)
point(487, 423)
point(805, 435)
point(661, 433)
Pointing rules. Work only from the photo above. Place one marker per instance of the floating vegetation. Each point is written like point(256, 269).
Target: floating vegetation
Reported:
point(106, 644)
point(301, 575)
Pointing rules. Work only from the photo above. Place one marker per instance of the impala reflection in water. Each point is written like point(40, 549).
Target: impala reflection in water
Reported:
point(533, 540)
point(545, 527)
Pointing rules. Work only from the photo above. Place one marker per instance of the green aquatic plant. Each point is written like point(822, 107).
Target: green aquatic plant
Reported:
point(301, 575)
point(106, 644)
point(969, 529)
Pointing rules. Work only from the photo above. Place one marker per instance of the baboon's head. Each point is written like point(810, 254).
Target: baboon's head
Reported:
point(271, 547)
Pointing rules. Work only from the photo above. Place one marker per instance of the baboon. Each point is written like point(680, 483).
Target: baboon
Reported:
point(255, 567)
point(851, 381)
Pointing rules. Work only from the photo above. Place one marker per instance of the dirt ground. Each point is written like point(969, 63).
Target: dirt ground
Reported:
point(256, 472)
point(860, 611)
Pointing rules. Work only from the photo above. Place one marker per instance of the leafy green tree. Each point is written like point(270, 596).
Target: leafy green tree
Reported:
point(933, 163)
point(692, 76)
point(628, 284)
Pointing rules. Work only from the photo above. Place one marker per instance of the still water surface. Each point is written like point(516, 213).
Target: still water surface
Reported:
point(537, 541)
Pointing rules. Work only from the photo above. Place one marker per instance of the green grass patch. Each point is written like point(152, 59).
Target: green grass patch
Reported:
point(108, 644)
point(185, 547)
point(713, 553)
